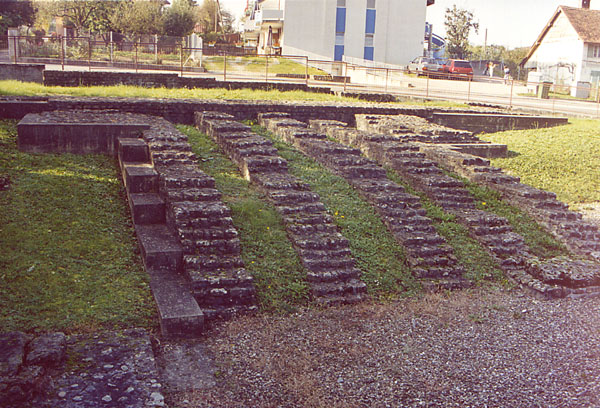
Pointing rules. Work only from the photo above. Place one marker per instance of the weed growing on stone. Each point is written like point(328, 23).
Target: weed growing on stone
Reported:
point(381, 259)
point(278, 273)
point(69, 257)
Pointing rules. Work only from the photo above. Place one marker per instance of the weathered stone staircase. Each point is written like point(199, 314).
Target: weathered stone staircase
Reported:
point(431, 259)
point(554, 278)
point(324, 252)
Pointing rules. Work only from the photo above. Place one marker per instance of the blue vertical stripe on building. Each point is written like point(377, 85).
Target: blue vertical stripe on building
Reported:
point(370, 26)
point(369, 52)
point(340, 20)
point(339, 52)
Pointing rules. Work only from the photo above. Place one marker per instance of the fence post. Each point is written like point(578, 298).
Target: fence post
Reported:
point(512, 85)
point(90, 53)
point(345, 75)
point(306, 73)
point(387, 74)
point(267, 68)
point(156, 49)
point(427, 87)
point(469, 79)
point(136, 56)
point(225, 67)
point(111, 47)
point(181, 58)
point(62, 52)
point(16, 49)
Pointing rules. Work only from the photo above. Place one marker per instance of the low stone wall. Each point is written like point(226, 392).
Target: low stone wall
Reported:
point(489, 123)
point(160, 80)
point(22, 72)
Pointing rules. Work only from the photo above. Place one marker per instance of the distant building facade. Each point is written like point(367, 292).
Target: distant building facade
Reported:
point(387, 31)
point(567, 51)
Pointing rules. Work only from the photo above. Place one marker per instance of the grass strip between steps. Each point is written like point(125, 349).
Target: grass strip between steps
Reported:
point(69, 258)
point(280, 278)
point(381, 259)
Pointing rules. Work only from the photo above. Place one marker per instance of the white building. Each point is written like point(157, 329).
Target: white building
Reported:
point(568, 49)
point(387, 31)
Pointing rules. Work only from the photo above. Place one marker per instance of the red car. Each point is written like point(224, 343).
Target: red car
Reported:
point(460, 68)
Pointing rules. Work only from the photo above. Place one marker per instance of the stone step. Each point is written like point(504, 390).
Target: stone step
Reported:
point(133, 150)
point(310, 229)
point(336, 300)
point(310, 208)
point(139, 177)
point(443, 272)
point(322, 242)
point(211, 246)
point(327, 264)
point(279, 182)
point(186, 210)
point(371, 172)
point(193, 194)
point(212, 262)
point(159, 246)
point(202, 222)
point(204, 280)
point(425, 251)
point(307, 219)
point(207, 233)
point(147, 208)
point(184, 177)
point(280, 197)
point(353, 287)
point(333, 275)
point(178, 312)
point(418, 240)
point(227, 312)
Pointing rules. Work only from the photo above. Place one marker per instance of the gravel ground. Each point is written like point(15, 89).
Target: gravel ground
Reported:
point(477, 348)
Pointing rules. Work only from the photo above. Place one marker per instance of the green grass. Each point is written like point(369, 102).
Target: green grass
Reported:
point(381, 259)
point(478, 263)
point(268, 254)
point(276, 65)
point(562, 159)
point(11, 87)
point(68, 259)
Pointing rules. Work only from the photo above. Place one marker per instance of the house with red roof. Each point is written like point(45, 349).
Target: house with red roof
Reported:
point(567, 51)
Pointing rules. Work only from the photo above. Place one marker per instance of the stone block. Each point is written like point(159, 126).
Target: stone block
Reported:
point(147, 208)
point(140, 178)
point(12, 352)
point(47, 350)
point(133, 150)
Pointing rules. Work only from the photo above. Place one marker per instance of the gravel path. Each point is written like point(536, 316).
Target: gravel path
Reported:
point(479, 348)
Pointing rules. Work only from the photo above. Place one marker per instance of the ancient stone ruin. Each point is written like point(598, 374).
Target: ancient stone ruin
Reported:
point(191, 248)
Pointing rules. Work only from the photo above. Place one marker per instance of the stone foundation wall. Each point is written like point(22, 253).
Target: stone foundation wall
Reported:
point(22, 72)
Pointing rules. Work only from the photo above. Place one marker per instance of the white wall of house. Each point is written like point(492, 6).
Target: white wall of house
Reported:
point(559, 57)
point(309, 29)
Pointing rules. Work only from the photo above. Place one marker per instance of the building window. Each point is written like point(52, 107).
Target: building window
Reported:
point(341, 3)
point(593, 50)
point(369, 47)
point(370, 4)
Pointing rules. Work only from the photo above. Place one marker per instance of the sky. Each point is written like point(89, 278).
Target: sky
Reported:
point(512, 23)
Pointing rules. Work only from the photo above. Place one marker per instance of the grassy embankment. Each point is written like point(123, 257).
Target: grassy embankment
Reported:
point(69, 256)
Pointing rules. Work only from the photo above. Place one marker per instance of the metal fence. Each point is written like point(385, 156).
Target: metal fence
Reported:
point(102, 52)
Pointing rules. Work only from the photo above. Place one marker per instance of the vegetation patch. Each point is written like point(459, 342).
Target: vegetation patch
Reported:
point(381, 259)
point(279, 276)
point(562, 159)
point(69, 258)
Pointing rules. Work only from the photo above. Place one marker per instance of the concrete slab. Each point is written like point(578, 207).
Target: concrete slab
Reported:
point(133, 150)
point(493, 122)
point(160, 247)
point(485, 150)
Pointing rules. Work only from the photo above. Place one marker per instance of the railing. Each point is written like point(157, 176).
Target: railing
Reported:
point(234, 64)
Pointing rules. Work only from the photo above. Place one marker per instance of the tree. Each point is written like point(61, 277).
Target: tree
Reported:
point(208, 17)
point(459, 23)
point(139, 17)
point(180, 19)
point(92, 15)
point(15, 14)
